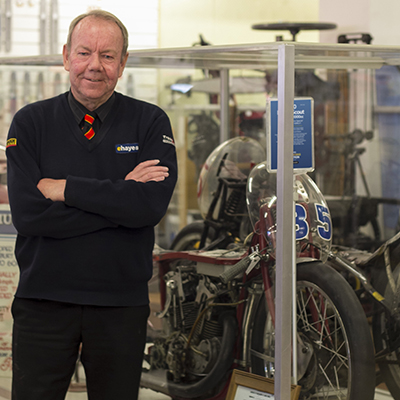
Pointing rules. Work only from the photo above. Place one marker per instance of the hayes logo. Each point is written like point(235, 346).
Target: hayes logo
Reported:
point(127, 148)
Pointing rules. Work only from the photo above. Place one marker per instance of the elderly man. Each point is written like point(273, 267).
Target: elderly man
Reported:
point(90, 173)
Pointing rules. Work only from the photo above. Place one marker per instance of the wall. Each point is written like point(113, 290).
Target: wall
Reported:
point(350, 16)
point(229, 22)
point(380, 18)
point(384, 21)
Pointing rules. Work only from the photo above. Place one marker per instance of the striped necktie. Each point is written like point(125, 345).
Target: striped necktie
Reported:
point(87, 126)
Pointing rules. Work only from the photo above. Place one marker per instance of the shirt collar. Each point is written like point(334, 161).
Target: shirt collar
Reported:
point(79, 110)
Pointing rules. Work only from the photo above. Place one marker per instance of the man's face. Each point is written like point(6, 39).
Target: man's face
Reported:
point(94, 61)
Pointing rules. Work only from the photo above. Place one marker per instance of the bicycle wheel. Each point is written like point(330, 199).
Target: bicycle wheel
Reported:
point(335, 352)
point(385, 333)
point(189, 237)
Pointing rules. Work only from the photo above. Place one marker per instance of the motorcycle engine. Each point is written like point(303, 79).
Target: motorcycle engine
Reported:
point(190, 342)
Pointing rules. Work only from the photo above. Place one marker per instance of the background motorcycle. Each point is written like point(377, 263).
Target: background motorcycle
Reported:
point(218, 307)
point(375, 279)
point(221, 195)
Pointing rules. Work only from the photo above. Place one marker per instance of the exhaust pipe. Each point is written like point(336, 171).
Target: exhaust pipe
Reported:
point(157, 379)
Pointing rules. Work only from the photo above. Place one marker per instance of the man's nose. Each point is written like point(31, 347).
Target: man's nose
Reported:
point(95, 62)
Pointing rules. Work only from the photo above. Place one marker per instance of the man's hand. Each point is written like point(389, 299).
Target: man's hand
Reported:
point(148, 171)
point(52, 189)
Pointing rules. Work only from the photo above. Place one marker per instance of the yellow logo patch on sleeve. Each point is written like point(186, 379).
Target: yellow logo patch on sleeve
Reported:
point(11, 142)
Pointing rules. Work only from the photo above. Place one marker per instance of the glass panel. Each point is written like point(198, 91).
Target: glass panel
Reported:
point(355, 92)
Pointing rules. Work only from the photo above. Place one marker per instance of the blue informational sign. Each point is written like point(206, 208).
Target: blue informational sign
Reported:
point(303, 135)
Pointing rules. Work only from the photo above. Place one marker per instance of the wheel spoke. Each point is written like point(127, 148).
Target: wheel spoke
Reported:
point(336, 354)
point(336, 391)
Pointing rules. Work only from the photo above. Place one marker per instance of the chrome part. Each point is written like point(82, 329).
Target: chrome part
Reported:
point(255, 293)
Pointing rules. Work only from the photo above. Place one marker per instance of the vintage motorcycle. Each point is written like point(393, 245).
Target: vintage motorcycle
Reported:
point(217, 304)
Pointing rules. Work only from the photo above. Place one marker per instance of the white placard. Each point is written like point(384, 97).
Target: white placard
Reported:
point(245, 393)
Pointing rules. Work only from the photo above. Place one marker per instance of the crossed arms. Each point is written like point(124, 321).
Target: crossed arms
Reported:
point(146, 171)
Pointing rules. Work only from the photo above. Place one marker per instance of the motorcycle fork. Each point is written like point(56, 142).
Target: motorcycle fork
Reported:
point(256, 291)
point(268, 290)
point(255, 294)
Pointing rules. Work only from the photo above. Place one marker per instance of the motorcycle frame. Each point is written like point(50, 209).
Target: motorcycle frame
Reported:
point(261, 283)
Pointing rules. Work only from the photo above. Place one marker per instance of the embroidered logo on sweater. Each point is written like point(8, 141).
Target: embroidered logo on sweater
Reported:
point(168, 140)
point(127, 148)
point(11, 142)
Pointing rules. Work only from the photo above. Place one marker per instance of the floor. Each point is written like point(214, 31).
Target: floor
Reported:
point(144, 394)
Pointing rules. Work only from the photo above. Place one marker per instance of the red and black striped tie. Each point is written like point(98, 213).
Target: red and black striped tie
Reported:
point(87, 126)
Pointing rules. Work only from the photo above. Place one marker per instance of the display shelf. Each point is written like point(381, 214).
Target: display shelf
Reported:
point(246, 56)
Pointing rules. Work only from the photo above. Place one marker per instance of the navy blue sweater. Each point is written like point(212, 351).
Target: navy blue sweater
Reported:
point(94, 248)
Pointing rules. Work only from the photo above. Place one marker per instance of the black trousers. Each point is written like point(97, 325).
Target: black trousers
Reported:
point(48, 335)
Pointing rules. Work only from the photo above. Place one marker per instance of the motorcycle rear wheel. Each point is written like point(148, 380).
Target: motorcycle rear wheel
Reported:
point(336, 356)
point(383, 332)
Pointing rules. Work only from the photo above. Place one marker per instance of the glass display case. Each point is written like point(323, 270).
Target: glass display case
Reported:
point(216, 93)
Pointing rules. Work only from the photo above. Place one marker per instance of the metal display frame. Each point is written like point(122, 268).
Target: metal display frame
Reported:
point(286, 57)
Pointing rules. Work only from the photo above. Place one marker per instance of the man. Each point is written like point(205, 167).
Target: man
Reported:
point(90, 173)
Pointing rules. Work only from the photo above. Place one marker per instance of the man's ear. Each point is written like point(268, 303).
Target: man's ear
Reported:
point(65, 58)
point(123, 63)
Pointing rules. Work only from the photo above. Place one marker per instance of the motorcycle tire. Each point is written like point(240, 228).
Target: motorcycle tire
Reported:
point(189, 237)
point(335, 350)
point(383, 332)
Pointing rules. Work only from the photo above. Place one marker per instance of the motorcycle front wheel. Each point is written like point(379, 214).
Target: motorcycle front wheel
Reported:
point(335, 351)
point(385, 333)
